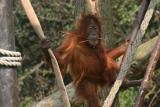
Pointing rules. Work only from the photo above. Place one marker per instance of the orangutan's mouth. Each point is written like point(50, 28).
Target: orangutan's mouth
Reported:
point(93, 42)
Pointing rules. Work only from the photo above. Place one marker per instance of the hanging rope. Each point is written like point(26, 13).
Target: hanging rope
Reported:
point(10, 58)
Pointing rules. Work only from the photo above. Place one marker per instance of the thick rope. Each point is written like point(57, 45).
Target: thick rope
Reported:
point(9, 53)
point(10, 58)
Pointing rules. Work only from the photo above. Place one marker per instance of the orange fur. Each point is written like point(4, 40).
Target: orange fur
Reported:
point(90, 67)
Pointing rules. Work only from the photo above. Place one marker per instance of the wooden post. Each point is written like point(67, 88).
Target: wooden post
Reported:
point(8, 76)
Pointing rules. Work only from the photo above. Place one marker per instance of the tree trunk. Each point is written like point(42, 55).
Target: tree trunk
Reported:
point(107, 25)
point(8, 76)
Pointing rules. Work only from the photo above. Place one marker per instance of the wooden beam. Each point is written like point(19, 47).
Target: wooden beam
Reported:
point(8, 76)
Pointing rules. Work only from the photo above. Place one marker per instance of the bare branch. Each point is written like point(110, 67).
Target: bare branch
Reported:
point(152, 64)
point(35, 68)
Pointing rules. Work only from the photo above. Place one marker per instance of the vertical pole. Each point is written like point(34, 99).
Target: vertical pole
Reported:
point(8, 76)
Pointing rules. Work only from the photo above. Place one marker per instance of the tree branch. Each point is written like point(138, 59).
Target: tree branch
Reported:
point(152, 64)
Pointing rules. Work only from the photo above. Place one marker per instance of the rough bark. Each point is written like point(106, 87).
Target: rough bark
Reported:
point(140, 59)
point(8, 76)
point(105, 8)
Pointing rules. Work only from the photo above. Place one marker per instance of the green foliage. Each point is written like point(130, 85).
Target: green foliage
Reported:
point(125, 11)
point(37, 84)
point(27, 102)
point(153, 28)
point(124, 14)
point(127, 97)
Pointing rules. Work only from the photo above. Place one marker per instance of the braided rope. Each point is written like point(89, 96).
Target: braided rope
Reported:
point(9, 53)
point(10, 58)
point(6, 63)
